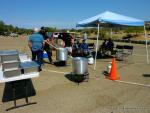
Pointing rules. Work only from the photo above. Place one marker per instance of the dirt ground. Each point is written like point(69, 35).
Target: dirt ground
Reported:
point(56, 93)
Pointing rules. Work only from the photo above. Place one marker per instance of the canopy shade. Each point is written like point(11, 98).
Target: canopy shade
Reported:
point(110, 18)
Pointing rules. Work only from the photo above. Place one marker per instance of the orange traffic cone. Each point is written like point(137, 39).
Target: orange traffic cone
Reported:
point(113, 71)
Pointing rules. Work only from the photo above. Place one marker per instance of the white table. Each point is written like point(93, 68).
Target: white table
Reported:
point(20, 77)
point(23, 58)
point(13, 80)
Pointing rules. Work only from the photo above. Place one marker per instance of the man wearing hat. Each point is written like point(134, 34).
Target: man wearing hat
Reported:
point(35, 43)
point(47, 47)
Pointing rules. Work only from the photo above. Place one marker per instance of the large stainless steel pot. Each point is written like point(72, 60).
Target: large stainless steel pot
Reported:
point(80, 65)
point(61, 54)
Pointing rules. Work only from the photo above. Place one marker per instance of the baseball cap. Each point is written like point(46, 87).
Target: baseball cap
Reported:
point(36, 29)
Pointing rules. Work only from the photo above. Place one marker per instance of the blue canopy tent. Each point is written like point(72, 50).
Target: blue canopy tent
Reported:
point(109, 18)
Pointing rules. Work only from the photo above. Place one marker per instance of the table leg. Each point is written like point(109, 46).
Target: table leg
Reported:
point(26, 91)
point(14, 93)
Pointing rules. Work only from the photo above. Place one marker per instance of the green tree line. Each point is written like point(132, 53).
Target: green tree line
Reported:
point(7, 29)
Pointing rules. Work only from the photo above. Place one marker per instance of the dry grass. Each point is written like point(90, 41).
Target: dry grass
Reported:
point(55, 93)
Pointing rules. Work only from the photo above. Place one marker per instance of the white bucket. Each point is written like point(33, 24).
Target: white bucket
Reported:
point(90, 60)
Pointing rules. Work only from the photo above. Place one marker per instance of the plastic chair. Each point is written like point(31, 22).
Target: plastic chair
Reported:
point(123, 51)
point(128, 49)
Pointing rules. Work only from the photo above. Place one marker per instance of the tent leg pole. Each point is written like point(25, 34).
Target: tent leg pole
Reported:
point(146, 45)
point(111, 33)
point(96, 45)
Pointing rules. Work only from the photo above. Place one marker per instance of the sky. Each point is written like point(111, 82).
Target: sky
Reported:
point(66, 13)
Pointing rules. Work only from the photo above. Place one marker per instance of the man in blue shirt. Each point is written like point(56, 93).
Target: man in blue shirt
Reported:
point(36, 42)
point(84, 48)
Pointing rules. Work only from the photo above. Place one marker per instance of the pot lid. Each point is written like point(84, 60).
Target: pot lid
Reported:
point(60, 48)
point(80, 58)
point(9, 52)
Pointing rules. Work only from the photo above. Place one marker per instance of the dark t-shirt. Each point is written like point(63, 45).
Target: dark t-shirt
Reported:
point(110, 44)
point(66, 38)
point(43, 33)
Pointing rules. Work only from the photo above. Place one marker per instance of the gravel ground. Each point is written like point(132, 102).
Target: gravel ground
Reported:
point(55, 93)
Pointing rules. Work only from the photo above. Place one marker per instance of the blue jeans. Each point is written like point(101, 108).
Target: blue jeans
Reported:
point(37, 56)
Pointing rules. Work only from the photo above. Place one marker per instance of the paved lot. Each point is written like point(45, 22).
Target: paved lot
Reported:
point(55, 93)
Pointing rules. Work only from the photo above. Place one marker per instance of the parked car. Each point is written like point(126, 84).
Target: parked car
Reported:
point(13, 35)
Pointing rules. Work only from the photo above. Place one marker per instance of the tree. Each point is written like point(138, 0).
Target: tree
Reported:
point(7, 29)
point(2, 27)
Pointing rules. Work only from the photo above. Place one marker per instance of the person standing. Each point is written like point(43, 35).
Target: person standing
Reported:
point(67, 41)
point(35, 43)
point(47, 44)
point(76, 48)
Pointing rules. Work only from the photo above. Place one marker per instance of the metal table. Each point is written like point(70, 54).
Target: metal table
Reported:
point(13, 80)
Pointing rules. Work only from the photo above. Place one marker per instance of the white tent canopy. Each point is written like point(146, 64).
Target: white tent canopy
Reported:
point(110, 18)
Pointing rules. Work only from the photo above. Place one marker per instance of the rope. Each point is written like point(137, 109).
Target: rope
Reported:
point(132, 83)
